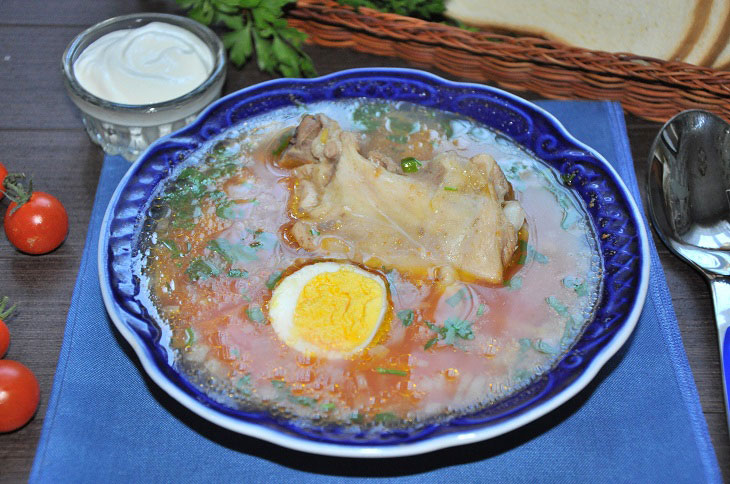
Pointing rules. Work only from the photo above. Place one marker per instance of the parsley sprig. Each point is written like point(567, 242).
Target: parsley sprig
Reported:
point(256, 26)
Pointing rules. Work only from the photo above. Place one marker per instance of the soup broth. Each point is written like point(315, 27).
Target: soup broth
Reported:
point(216, 245)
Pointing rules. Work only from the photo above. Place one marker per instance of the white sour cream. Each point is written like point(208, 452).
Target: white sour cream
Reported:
point(147, 65)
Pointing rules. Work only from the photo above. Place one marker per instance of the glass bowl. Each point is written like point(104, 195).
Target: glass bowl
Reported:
point(127, 129)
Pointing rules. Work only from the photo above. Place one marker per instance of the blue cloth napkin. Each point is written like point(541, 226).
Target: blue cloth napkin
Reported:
point(639, 421)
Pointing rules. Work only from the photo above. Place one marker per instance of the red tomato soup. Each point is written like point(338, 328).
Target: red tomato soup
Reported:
point(218, 242)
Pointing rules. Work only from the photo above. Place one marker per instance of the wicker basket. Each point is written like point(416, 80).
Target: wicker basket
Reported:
point(650, 88)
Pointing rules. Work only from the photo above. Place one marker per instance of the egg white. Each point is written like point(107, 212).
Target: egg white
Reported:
point(284, 300)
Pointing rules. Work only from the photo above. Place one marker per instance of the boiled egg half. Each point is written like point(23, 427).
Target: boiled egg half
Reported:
point(328, 309)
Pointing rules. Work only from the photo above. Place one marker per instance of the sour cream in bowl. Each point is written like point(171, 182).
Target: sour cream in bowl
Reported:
point(139, 77)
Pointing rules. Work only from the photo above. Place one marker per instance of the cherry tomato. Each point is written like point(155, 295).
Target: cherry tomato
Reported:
point(19, 395)
point(3, 172)
point(4, 332)
point(4, 338)
point(35, 222)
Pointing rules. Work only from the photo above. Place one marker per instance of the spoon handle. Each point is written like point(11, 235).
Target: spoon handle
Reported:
point(721, 300)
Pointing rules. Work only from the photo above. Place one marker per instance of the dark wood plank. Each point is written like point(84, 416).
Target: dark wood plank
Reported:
point(65, 164)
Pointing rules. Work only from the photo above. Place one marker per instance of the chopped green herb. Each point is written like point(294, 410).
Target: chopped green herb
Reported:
point(430, 342)
point(189, 337)
point(390, 371)
point(568, 178)
point(453, 328)
point(230, 210)
point(238, 273)
point(314, 232)
point(370, 115)
point(514, 283)
point(451, 189)
point(255, 314)
point(410, 164)
point(544, 347)
point(385, 418)
point(401, 139)
point(286, 392)
point(482, 308)
point(406, 316)
point(328, 406)
point(457, 328)
point(522, 249)
point(244, 381)
point(283, 143)
point(559, 307)
point(232, 252)
point(356, 417)
point(398, 125)
point(273, 279)
point(201, 269)
point(172, 247)
point(577, 284)
point(457, 297)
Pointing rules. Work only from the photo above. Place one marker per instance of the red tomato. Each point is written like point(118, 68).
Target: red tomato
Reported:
point(19, 395)
point(4, 332)
point(4, 338)
point(3, 172)
point(38, 226)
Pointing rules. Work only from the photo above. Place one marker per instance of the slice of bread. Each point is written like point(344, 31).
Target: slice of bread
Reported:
point(664, 29)
point(713, 37)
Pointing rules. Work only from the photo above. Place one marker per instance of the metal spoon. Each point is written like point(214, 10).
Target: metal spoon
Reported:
point(689, 204)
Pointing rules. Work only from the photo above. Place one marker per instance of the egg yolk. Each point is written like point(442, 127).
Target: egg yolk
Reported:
point(338, 311)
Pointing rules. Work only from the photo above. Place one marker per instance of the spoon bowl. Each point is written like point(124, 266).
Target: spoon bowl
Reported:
point(689, 205)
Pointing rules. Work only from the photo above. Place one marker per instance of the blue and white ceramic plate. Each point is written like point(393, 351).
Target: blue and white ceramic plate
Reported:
point(614, 215)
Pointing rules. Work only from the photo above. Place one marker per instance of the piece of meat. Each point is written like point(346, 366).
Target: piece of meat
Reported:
point(449, 214)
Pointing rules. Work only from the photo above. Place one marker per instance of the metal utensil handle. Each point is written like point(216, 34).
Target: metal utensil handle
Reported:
point(721, 300)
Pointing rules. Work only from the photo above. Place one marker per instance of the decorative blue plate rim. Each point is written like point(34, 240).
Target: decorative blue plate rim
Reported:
point(611, 204)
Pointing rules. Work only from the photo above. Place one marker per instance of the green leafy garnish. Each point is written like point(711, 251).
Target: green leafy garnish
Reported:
point(577, 284)
point(328, 406)
point(370, 115)
point(230, 210)
point(283, 142)
point(430, 342)
point(232, 252)
point(482, 308)
point(410, 164)
point(406, 316)
point(189, 337)
point(314, 232)
point(559, 307)
point(255, 314)
point(238, 273)
point(385, 418)
point(390, 371)
point(457, 297)
point(451, 189)
point(273, 279)
point(543, 347)
point(172, 247)
point(256, 26)
point(286, 392)
point(453, 328)
point(201, 269)
point(568, 178)
point(514, 283)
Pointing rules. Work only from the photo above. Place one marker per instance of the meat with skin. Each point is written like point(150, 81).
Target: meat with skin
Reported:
point(453, 214)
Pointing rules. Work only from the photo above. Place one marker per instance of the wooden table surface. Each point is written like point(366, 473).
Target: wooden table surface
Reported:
point(41, 134)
